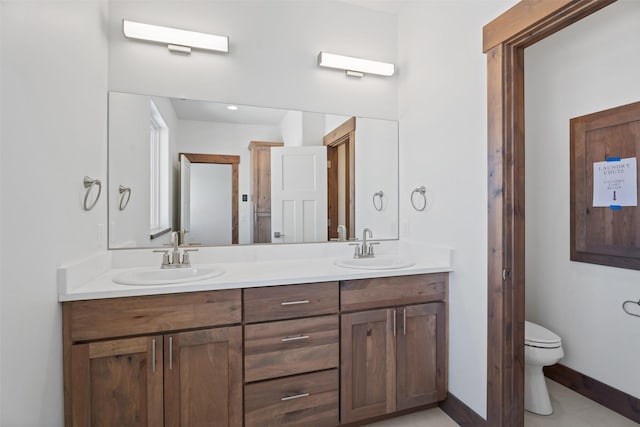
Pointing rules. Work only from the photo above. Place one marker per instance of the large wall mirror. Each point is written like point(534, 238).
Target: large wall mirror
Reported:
point(222, 174)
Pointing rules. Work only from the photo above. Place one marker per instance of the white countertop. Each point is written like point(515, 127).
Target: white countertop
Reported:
point(92, 278)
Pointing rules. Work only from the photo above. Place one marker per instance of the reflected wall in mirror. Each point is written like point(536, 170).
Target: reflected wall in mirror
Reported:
point(247, 175)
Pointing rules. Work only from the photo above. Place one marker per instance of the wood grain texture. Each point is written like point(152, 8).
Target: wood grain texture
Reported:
point(530, 21)
point(609, 397)
point(117, 317)
point(505, 358)
point(265, 407)
point(367, 365)
point(420, 355)
point(336, 136)
point(117, 383)
point(365, 294)
point(504, 41)
point(264, 304)
point(223, 159)
point(267, 356)
point(343, 135)
point(203, 382)
point(600, 235)
point(459, 412)
point(261, 189)
point(332, 192)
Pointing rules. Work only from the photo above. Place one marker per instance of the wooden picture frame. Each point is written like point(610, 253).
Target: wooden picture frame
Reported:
point(602, 235)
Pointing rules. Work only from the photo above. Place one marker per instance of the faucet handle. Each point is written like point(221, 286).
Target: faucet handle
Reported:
point(185, 256)
point(371, 247)
point(357, 252)
point(165, 257)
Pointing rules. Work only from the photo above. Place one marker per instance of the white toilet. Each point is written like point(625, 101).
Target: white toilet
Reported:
point(541, 348)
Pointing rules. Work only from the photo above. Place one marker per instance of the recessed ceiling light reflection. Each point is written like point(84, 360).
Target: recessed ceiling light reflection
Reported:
point(232, 107)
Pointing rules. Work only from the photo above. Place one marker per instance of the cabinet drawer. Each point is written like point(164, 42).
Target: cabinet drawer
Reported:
point(118, 317)
point(289, 347)
point(303, 400)
point(364, 294)
point(288, 302)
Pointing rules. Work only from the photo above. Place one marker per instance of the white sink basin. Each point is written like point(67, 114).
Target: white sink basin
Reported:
point(379, 262)
point(168, 276)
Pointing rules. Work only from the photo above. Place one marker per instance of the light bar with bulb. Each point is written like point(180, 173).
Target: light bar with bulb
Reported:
point(355, 66)
point(176, 40)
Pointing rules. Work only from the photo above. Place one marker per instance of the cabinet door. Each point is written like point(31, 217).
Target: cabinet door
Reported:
point(203, 378)
point(368, 364)
point(421, 355)
point(117, 383)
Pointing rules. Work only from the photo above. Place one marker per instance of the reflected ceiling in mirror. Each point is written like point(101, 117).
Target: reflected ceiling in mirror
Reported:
point(224, 174)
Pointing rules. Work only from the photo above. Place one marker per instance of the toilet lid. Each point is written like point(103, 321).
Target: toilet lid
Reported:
point(537, 336)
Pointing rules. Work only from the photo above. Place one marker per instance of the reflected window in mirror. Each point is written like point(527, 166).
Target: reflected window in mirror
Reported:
point(159, 173)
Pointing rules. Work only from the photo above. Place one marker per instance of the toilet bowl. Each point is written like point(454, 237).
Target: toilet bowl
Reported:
point(541, 348)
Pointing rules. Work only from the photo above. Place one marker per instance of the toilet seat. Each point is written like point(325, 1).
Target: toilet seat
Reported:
point(537, 336)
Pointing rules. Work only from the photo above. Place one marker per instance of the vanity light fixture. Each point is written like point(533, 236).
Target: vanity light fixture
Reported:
point(355, 67)
point(176, 40)
point(232, 107)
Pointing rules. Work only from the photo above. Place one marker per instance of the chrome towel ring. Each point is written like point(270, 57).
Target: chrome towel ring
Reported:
point(125, 196)
point(89, 183)
point(379, 195)
point(422, 191)
point(626, 310)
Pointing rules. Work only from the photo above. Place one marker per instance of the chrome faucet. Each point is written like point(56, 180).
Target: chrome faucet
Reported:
point(174, 260)
point(366, 249)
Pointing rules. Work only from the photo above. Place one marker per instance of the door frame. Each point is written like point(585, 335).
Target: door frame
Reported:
point(504, 41)
point(345, 134)
point(223, 159)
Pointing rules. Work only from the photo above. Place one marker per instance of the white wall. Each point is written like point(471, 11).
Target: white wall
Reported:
point(443, 146)
point(272, 59)
point(591, 66)
point(228, 138)
point(211, 207)
point(54, 105)
point(377, 170)
point(291, 128)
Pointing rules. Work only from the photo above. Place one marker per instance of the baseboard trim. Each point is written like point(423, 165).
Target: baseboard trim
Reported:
point(612, 398)
point(461, 413)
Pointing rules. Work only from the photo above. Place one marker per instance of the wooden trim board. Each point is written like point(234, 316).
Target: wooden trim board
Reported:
point(223, 159)
point(504, 40)
point(461, 413)
point(609, 397)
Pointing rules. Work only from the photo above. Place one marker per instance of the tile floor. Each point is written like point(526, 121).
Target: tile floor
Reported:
point(570, 410)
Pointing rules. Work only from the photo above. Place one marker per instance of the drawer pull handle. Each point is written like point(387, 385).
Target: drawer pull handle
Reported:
point(299, 337)
point(304, 301)
point(295, 396)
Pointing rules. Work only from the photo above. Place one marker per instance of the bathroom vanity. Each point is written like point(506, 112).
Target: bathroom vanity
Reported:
point(321, 353)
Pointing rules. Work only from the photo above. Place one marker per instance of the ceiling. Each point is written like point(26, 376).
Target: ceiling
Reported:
point(218, 112)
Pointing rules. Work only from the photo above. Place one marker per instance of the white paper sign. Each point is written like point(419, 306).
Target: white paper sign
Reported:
point(615, 183)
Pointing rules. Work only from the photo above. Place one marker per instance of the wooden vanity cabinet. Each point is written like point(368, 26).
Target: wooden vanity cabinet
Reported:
point(157, 374)
point(392, 358)
point(291, 355)
point(317, 354)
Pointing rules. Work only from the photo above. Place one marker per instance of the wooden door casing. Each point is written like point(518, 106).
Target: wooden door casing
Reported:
point(118, 383)
point(203, 378)
point(504, 41)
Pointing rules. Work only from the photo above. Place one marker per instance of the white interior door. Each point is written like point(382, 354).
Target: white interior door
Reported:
point(298, 194)
point(185, 194)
